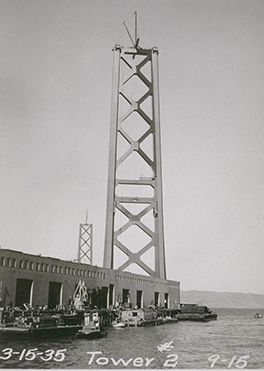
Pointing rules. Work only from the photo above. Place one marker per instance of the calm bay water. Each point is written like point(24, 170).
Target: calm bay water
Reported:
point(235, 340)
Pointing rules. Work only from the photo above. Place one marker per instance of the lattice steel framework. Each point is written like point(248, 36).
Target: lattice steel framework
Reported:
point(85, 248)
point(134, 199)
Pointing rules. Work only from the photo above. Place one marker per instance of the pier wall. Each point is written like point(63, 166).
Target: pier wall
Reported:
point(45, 281)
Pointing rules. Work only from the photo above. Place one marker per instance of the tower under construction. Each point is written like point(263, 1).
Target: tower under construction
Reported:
point(134, 238)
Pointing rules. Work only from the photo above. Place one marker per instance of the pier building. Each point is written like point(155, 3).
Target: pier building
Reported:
point(40, 281)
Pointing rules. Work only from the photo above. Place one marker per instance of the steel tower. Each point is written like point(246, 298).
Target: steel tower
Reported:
point(134, 216)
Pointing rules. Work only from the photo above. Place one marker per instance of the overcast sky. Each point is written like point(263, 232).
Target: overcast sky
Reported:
point(55, 87)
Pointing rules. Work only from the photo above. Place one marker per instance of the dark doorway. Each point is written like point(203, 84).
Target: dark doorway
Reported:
point(23, 291)
point(93, 297)
point(156, 299)
point(111, 295)
point(104, 297)
point(54, 294)
point(166, 300)
point(139, 298)
point(126, 296)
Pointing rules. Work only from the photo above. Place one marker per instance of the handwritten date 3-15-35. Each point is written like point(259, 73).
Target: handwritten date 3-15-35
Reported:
point(33, 353)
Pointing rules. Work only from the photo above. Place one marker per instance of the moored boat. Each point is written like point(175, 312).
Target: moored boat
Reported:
point(91, 328)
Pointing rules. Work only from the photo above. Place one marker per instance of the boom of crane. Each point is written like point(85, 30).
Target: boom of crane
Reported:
point(80, 296)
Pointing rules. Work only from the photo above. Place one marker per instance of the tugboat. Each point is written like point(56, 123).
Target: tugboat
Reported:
point(92, 327)
point(194, 312)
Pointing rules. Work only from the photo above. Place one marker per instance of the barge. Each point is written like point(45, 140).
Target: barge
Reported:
point(41, 326)
point(194, 312)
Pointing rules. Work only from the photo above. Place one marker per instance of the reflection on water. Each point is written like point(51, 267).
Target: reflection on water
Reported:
point(235, 340)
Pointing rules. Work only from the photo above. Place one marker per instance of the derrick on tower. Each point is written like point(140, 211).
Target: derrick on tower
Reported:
point(134, 215)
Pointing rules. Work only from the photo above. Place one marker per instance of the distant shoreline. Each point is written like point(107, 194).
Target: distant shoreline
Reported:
point(225, 300)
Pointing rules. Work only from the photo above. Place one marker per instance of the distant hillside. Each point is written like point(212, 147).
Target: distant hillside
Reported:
point(223, 299)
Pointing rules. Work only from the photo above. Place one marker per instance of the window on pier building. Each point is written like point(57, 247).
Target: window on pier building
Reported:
point(13, 263)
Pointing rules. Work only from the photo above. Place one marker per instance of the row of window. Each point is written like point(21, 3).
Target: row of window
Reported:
point(54, 268)
point(14, 263)
point(49, 268)
point(133, 280)
point(165, 284)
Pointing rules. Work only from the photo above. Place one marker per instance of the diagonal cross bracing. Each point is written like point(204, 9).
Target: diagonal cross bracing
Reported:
point(85, 248)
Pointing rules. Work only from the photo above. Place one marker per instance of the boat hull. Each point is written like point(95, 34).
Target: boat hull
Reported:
point(119, 325)
point(17, 333)
point(91, 335)
point(197, 317)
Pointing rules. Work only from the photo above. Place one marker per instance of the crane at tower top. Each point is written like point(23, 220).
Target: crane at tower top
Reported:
point(135, 40)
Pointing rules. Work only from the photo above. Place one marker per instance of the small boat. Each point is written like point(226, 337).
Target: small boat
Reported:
point(91, 328)
point(193, 312)
point(257, 315)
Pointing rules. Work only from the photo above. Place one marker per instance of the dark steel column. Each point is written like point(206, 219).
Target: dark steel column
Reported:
point(110, 208)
